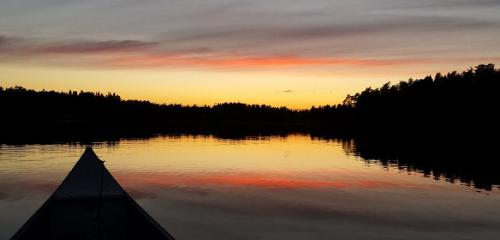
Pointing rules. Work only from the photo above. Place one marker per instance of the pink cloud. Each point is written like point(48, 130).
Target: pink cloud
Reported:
point(242, 62)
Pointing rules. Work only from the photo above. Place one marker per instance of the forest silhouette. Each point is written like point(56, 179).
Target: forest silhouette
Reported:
point(452, 103)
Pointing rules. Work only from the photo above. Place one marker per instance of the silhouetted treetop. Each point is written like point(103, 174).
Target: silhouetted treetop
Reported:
point(469, 100)
point(482, 77)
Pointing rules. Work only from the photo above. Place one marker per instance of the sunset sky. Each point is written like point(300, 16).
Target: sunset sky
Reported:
point(279, 52)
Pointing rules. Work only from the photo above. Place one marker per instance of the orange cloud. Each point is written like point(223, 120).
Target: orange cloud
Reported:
point(242, 62)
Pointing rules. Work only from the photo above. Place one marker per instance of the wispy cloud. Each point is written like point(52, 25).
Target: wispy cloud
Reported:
point(86, 47)
point(10, 44)
point(269, 33)
point(138, 54)
point(151, 54)
point(5, 41)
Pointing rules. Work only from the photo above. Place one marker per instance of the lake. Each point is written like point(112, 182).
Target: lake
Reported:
point(274, 187)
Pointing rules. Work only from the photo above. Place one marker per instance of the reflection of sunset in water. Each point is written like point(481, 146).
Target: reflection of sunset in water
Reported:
point(290, 187)
point(249, 180)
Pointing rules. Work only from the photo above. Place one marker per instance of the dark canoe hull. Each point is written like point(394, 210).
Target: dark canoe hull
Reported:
point(120, 219)
point(116, 216)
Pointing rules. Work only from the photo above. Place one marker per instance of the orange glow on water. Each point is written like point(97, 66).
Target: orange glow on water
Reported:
point(251, 180)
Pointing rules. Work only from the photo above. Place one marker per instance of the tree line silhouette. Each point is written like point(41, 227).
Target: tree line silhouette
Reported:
point(43, 114)
point(452, 103)
point(465, 103)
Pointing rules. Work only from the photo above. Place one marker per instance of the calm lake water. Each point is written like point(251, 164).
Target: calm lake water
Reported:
point(290, 187)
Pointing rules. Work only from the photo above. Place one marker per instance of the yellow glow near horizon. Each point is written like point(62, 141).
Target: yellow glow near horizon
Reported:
point(295, 88)
point(187, 87)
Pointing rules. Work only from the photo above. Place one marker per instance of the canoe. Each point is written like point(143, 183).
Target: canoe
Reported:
point(90, 204)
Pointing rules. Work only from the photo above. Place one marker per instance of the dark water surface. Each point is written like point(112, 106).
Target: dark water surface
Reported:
point(293, 187)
